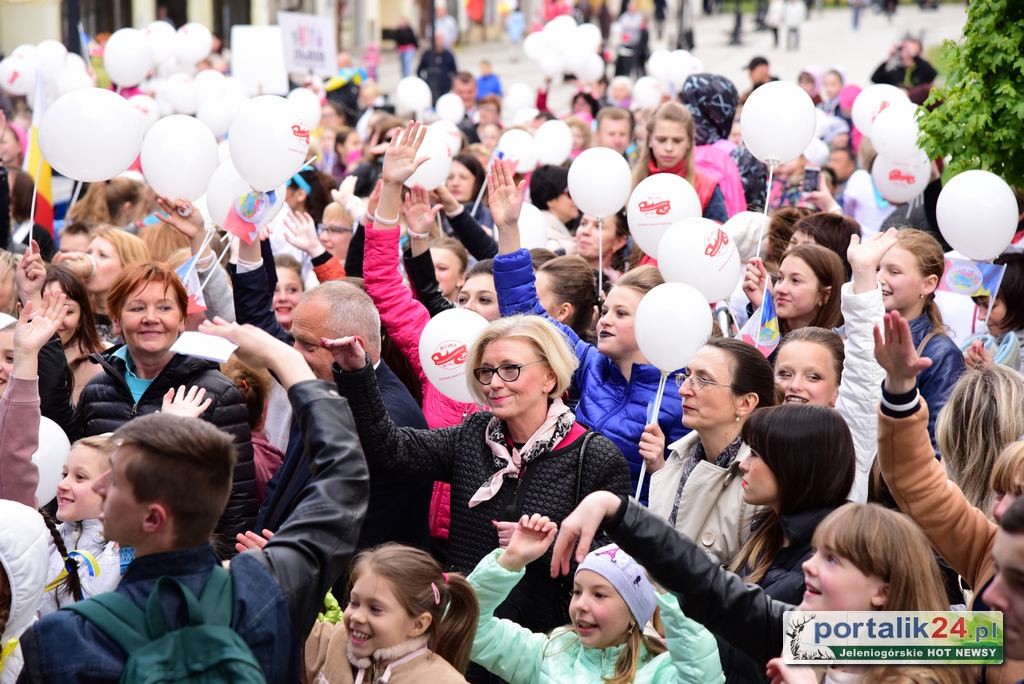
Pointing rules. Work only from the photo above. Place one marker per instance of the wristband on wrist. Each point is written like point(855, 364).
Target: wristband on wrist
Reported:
point(418, 236)
point(456, 212)
point(381, 221)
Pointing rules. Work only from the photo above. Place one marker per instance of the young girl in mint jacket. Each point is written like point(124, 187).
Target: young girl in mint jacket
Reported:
point(612, 601)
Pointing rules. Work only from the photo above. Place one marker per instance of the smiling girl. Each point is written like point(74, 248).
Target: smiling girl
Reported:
point(612, 602)
point(288, 290)
point(806, 293)
point(404, 619)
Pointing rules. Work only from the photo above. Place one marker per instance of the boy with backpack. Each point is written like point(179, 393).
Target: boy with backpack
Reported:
point(177, 615)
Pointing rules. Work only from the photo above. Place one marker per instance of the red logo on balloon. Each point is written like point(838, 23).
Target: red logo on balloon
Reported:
point(897, 176)
point(714, 242)
point(659, 208)
point(301, 132)
point(449, 354)
point(13, 78)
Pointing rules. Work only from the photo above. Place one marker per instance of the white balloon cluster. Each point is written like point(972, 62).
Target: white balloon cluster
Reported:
point(565, 47)
point(61, 72)
point(671, 69)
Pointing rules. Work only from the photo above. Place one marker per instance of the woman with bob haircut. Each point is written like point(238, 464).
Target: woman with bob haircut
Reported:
point(526, 454)
point(148, 305)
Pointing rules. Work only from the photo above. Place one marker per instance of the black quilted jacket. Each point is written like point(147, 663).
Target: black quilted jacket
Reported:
point(106, 404)
point(460, 456)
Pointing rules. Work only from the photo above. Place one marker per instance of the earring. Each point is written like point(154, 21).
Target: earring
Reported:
point(737, 417)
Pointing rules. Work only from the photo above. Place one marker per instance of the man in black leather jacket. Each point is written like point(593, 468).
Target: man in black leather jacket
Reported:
point(277, 591)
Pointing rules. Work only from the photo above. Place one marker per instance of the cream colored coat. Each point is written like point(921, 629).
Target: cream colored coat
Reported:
point(711, 510)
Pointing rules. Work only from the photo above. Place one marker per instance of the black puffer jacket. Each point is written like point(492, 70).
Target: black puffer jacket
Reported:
point(460, 456)
point(106, 404)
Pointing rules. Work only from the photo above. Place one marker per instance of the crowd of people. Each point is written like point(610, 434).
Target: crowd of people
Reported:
point(374, 525)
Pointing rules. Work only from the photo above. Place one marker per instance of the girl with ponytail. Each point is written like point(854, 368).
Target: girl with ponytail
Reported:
point(404, 615)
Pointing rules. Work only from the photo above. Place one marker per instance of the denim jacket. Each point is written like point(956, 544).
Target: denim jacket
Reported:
point(276, 591)
point(936, 381)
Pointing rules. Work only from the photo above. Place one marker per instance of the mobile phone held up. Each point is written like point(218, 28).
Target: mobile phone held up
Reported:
point(812, 176)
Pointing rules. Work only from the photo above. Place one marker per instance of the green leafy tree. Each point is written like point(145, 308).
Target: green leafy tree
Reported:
point(978, 114)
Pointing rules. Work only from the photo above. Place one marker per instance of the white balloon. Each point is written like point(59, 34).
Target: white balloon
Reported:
point(519, 95)
point(277, 203)
point(444, 349)
point(535, 46)
point(268, 142)
point(554, 142)
point(413, 95)
point(778, 122)
point(599, 181)
point(49, 459)
point(977, 214)
point(223, 150)
point(560, 30)
point(193, 44)
point(655, 204)
point(224, 188)
point(209, 84)
point(73, 79)
point(533, 229)
point(127, 57)
point(646, 93)
point(659, 66)
point(894, 134)
point(74, 61)
point(147, 108)
point(524, 116)
point(179, 154)
point(817, 152)
point(446, 132)
point(18, 75)
point(592, 68)
point(307, 104)
point(51, 56)
point(237, 87)
point(672, 323)
point(552, 64)
point(450, 108)
point(588, 35)
point(180, 92)
point(25, 51)
point(113, 141)
point(435, 171)
point(519, 146)
point(872, 101)
point(681, 64)
point(218, 113)
point(898, 182)
point(698, 252)
point(162, 41)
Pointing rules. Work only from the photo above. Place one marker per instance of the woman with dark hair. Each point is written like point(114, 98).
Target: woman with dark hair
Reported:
point(464, 182)
point(584, 105)
point(549, 192)
point(698, 488)
point(77, 332)
point(828, 230)
point(806, 291)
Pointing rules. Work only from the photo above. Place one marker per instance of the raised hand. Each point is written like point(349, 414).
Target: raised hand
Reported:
point(348, 353)
point(822, 198)
point(864, 258)
point(188, 404)
point(447, 199)
point(504, 197)
point(531, 538)
point(897, 355)
point(31, 335)
point(754, 278)
point(977, 356)
point(652, 447)
point(300, 233)
point(183, 217)
point(260, 349)
point(400, 160)
point(579, 528)
point(251, 540)
point(421, 217)
point(30, 276)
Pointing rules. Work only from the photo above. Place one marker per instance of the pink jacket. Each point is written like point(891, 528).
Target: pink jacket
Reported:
point(405, 317)
point(19, 439)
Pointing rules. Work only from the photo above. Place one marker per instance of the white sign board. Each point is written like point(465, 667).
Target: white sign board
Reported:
point(309, 43)
point(257, 59)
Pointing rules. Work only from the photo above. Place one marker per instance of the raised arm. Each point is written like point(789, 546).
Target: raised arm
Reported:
point(467, 229)
point(693, 648)
point(254, 294)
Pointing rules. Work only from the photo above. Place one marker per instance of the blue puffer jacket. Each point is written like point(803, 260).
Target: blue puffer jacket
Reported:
point(609, 404)
point(936, 381)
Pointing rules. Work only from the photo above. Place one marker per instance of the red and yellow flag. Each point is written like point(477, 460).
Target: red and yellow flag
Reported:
point(36, 166)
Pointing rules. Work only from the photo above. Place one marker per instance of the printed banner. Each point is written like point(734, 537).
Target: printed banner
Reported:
point(971, 278)
point(876, 637)
point(309, 43)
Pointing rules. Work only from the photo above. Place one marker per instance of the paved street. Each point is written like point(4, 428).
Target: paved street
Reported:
point(826, 39)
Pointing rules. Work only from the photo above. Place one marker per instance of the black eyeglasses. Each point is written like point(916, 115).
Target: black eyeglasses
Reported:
point(508, 372)
point(698, 383)
point(332, 229)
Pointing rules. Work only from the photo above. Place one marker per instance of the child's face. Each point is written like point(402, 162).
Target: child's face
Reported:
point(832, 86)
point(375, 619)
point(903, 285)
point(996, 320)
point(76, 499)
point(616, 337)
point(834, 583)
point(447, 270)
point(598, 613)
point(6, 358)
point(797, 293)
point(287, 294)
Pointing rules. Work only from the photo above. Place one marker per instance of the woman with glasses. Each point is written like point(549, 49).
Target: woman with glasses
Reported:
point(525, 455)
point(699, 489)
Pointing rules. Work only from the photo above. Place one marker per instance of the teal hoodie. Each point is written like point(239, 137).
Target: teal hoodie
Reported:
point(520, 656)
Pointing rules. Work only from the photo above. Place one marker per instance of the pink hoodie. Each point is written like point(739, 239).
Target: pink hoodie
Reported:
point(19, 439)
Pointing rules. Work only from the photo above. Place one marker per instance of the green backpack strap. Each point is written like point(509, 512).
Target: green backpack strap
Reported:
point(216, 599)
point(213, 607)
point(117, 617)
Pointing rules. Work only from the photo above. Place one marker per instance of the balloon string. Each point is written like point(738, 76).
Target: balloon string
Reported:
point(655, 410)
point(198, 255)
point(767, 198)
point(600, 258)
point(216, 264)
point(74, 194)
